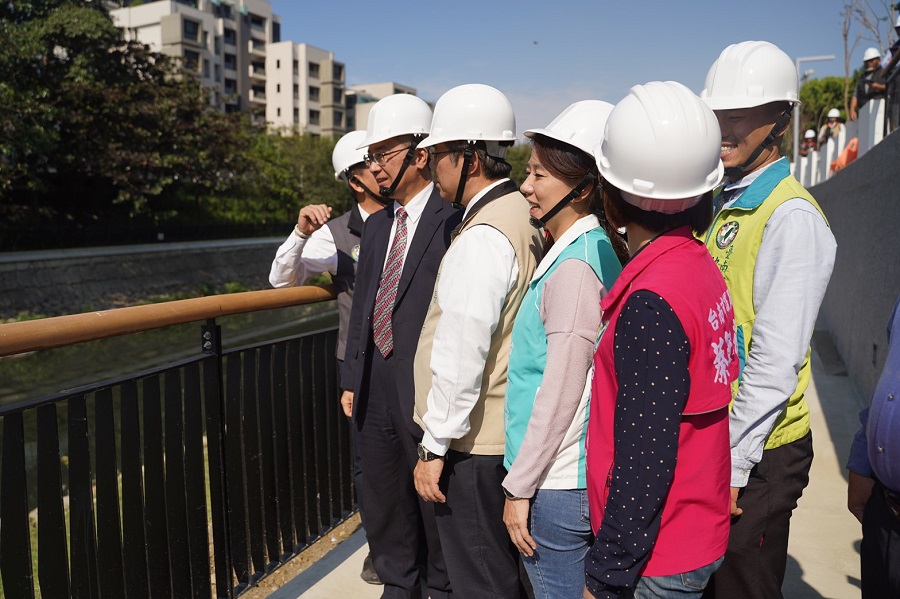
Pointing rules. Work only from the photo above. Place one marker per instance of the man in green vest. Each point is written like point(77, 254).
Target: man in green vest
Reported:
point(776, 251)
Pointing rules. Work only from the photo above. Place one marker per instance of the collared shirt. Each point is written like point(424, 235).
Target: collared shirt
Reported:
point(414, 209)
point(298, 260)
point(477, 273)
point(792, 270)
point(876, 447)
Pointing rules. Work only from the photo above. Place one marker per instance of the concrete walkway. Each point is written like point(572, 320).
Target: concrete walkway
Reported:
point(823, 557)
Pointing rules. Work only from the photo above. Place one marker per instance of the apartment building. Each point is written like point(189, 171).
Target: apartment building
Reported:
point(361, 98)
point(305, 89)
point(223, 42)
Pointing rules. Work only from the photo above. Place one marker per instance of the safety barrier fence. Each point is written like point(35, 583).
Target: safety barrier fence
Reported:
point(195, 479)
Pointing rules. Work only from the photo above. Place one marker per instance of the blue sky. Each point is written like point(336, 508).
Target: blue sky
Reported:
point(546, 55)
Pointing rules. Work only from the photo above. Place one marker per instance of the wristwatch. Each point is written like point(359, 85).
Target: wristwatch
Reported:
point(425, 455)
point(509, 495)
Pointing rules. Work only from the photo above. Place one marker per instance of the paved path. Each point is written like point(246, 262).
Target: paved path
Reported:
point(823, 560)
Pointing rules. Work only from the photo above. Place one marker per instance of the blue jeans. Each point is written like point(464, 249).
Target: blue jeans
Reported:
point(561, 526)
point(688, 585)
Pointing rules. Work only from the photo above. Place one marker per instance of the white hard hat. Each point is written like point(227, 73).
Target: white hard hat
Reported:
point(750, 74)
point(871, 53)
point(810, 134)
point(399, 114)
point(580, 125)
point(834, 113)
point(474, 112)
point(347, 152)
point(661, 148)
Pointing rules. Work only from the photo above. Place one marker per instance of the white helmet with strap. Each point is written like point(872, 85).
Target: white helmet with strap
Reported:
point(347, 153)
point(834, 113)
point(871, 53)
point(661, 148)
point(810, 134)
point(581, 126)
point(750, 74)
point(480, 116)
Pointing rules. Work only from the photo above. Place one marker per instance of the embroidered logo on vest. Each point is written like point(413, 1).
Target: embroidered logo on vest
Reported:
point(354, 253)
point(726, 234)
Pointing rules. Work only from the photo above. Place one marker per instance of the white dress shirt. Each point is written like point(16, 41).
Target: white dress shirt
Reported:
point(299, 259)
point(477, 273)
point(792, 270)
point(414, 209)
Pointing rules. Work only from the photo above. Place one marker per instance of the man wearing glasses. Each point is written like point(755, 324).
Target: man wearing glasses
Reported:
point(461, 364)
point(400, 251)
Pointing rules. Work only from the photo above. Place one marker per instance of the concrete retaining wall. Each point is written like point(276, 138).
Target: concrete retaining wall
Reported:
point(862, 203)
point(72, 281)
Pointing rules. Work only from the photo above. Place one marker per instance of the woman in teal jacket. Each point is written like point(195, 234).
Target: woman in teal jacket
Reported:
point(552, 348)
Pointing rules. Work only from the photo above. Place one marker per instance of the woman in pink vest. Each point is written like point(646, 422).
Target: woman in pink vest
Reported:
point(658, 459)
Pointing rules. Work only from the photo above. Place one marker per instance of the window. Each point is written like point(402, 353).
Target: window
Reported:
point(296, 68)
point(205, 68)
point(296, 91)
point(257, 22)
point(313, 117)
point(296, 116)
point(192, 60)
point(230, 86)
point(338, 95)
point(229, 36)
point(313, 94)
point(314, 70)
point(217, 45)
point(218, 72)
point(258, 68)
point(278, 64)
point(278, 88)
point(223, 11)
point(230, 61)
point(190, 30)
point(277, 112)
point(338, 119)
point(338, 72)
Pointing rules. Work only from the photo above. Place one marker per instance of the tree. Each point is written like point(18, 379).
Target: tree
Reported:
point(96, 126)
point(817, 97)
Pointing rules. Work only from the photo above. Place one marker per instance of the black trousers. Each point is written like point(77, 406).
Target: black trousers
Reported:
point(481, 560)
point(400, 527)
point(757, 546)
point(879, 553)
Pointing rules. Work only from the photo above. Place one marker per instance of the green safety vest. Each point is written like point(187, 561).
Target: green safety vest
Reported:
point(734, 240)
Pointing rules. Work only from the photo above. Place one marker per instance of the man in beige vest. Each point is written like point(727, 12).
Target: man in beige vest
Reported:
point(461, 362)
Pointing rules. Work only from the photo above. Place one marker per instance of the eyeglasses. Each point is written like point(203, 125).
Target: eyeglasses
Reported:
point(381, 158)
point(432, 153)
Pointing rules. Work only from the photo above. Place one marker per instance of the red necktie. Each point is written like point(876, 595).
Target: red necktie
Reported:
point(387, 289)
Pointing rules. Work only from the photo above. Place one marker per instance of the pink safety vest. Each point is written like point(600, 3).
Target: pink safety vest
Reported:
point(696, 513)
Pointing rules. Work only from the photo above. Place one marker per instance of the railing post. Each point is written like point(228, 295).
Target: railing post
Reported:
point(214, 396)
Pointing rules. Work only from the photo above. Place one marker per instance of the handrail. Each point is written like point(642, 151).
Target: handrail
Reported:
point(47, 333)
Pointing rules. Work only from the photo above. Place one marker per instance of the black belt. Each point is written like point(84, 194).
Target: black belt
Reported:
point(892, 500)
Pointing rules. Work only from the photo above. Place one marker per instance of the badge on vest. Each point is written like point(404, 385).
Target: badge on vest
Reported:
point(726, 234)
point(354, 253)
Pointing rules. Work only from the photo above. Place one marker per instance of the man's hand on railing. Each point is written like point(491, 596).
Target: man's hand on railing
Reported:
point(347, 403)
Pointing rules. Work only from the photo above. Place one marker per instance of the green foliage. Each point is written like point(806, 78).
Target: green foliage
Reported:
point(517, 157)
point(817, 97)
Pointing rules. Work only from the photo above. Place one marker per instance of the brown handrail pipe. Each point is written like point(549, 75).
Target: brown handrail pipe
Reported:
point(59, 331)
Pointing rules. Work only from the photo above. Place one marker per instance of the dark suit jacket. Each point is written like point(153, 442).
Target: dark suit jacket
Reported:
point(416, 286)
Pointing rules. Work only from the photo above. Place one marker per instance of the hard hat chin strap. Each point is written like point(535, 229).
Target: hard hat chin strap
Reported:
point(387, 192)
point(464, 174)
point(737, 172)
point(539, 223)
point(369, 192)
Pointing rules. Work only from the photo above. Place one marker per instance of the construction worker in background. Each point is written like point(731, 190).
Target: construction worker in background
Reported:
point(319, 245)
point(870, 85)
point(831, 130)
point(400, 250)
point(463, 356)
point(809, 143)
point(776, 251)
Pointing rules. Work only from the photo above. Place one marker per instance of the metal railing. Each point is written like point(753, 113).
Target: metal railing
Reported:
point(195, 479)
